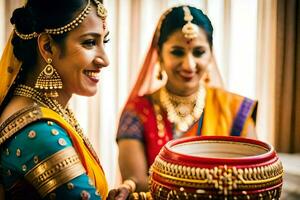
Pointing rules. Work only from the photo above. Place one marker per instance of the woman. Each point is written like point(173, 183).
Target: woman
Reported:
point(186, 104)
point(53, 53)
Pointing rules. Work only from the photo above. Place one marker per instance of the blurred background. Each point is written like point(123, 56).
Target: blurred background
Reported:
point(257, 47)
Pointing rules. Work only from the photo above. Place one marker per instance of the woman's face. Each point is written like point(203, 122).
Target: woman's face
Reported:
point(185, 62)
point(80, 62)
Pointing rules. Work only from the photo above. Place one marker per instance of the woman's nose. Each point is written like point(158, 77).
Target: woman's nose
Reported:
point(102, 60)
point(189, 63)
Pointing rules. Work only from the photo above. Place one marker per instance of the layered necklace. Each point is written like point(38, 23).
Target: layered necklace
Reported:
point(66, 113)
point(183, 111)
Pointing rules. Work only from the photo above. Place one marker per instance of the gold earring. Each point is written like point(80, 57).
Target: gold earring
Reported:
point(49, 80)
point(159, 75)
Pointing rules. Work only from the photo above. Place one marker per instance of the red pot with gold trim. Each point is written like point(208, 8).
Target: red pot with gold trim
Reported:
point(216, 167)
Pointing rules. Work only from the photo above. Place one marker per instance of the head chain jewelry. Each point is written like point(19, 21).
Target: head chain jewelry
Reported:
point(101, 12)
point(190, 30)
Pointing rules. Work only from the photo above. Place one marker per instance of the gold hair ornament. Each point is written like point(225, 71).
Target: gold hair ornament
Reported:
point(189, 30)
point(101, 12)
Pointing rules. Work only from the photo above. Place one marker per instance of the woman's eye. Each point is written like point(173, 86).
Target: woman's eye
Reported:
point(89, 43)
point(106, 40)
point(198, 52)
point(177, 52)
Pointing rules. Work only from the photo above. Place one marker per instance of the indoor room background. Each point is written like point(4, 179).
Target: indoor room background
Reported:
point(257, 51)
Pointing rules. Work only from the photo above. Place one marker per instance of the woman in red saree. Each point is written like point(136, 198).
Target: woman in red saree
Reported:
point(178, 93)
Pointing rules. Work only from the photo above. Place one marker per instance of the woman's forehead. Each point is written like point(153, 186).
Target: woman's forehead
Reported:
point(177, 38)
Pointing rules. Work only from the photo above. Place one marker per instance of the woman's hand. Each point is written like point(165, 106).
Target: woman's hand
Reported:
point(120, 193)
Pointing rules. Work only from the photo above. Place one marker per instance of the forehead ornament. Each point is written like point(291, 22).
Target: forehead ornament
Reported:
point(189, 30)
point(101, 12)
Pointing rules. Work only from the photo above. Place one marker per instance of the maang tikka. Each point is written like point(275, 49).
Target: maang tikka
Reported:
point(49, 80)
point(189, 30)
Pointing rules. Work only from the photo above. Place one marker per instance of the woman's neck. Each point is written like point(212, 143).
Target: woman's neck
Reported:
point(63, 97)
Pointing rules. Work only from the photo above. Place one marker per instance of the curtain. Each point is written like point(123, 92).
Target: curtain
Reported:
point(287, 88)
point(265, 73)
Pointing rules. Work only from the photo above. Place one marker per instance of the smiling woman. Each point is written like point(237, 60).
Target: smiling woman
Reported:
point(48, 58)
point(186, 104)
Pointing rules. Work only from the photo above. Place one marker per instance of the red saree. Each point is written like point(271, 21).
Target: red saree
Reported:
point(224, 114)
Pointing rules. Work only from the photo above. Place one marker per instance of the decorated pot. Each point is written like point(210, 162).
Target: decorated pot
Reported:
point(216, 167)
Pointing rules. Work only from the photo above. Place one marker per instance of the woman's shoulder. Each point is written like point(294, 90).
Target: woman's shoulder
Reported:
point(17, 120)
point(140, 102)
point(226, 94)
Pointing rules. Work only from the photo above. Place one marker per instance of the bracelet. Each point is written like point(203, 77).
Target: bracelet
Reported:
point(130, 184)
point(141, 196)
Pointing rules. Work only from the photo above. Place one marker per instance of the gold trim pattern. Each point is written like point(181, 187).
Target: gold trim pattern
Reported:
point(18, 121)
point(55, 170)
point(66, 113)
point(223, 178)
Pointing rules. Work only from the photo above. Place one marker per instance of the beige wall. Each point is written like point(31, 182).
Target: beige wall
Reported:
point(6, 9)
point(2, 25)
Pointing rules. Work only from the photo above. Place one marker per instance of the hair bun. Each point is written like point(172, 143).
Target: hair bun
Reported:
point(24, 20)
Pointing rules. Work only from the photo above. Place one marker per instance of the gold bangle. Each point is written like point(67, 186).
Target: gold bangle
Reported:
point(143, 195)
point(131, 185)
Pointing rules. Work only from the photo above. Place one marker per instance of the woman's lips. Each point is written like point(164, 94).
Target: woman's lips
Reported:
point(93, 75)
point(187, 76)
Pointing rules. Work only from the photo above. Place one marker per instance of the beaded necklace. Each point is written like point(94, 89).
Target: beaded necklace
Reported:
point(66, 113)
point(183, 111)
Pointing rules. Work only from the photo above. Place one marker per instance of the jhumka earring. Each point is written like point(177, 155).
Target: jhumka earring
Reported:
point(159, 74)
point(49, 80)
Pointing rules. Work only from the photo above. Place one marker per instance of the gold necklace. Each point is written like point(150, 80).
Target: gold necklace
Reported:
point(183, 112)
point(66, 113)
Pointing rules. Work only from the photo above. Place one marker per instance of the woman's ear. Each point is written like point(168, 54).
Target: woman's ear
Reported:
point(45, 45)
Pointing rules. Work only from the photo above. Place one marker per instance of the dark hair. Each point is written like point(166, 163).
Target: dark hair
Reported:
point(174, 20)
point(36, 16)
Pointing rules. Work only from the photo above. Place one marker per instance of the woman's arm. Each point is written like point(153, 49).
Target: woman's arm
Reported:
point(133, 163)
point(44, 148)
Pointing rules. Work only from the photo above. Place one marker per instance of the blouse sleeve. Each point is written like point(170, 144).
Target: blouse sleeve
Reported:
point(130, 127)
point(43, 154)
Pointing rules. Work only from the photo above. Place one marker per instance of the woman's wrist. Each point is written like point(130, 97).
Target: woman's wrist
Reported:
point(129, 184)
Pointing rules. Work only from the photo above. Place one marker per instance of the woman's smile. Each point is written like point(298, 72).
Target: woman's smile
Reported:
point(93, 75)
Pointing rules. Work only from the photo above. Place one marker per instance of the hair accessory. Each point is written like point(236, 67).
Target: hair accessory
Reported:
point(101, 11)
point(73, 24)
point(189, 30)
point(26, 36)
point(49, 80)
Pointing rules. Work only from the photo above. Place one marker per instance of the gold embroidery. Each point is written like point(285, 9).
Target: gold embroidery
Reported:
point(24, 168)
point(32, 134)
point(54, 171)
point(70, 186)
point(85, 195)
point(62, 142)
point(35, 159)
point(54, 132)
point(18, 153)
point(18, 121)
